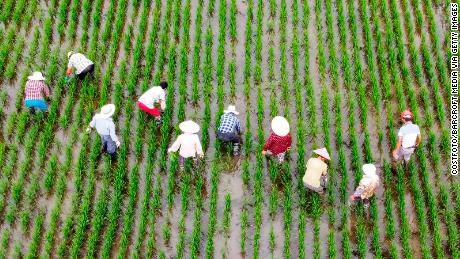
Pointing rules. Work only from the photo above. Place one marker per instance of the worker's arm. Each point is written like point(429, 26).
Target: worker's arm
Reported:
point(238, 126)
point(113, 136)
point(175, 146)
point(419, 139)
point(199, 148)
point(91, 125)
point(46, 90)
point(163, 104)
point(267, 145)
point(398, 145)
point(289, 142)
point(69, 71)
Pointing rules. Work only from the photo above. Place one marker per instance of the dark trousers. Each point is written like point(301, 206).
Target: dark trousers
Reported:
point(87, 70)
point(229, 137)
point(108, 145)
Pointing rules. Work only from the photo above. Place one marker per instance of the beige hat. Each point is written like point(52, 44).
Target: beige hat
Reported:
point(369, 170)
point(232, 109)
point(322, 152)
point(189, 127)
point(106, 111)
point(36, 76)
point(69, 54)
point(280, 126)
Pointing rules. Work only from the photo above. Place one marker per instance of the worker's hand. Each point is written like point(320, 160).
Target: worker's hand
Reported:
point(88, 130)
point(288, 149)
point(67, 78)
point(264, 152)
point(395, 153)
point(201, 156)
point(352, 197)
point(118, 143)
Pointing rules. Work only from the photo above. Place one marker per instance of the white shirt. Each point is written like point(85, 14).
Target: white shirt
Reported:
point(152, 96)
point(104, 127)
point(189, 145)
point(408, 133)
point(79, 62)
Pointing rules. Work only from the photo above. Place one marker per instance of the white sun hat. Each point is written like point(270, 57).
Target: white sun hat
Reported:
point(189, 127)
point(232, 109)
point(322, 152)
point(369, 170)
point(107, 111)
point(280, 126)
point(69, 54)
point(36, 76)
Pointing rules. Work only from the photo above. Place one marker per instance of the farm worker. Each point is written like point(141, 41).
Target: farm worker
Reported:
point(106, 128)
point(280, 139)
point(153, 101)
point(35, 91)
point(315, 177)
point(408, 138)
point(82, 65)
point(188, 143)
point(230, 129)
point(367, 185)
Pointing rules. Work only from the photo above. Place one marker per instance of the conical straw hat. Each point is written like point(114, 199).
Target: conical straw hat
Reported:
point(280, 126)
point(322, 152)
point(189, 127)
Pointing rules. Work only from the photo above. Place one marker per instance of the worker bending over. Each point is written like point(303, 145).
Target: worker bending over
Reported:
point(188, 143)
point(153, 101)
point(280, 139)
point(367, 186)
point(315, 177)
point(230, 129)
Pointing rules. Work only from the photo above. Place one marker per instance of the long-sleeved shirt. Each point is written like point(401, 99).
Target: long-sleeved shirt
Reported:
point(188, 144)
point(229, 123)
point(367, 187)
point(35, 89)
point(79, 62)
point(277, 144)
point(152, 96)
point(104, 127)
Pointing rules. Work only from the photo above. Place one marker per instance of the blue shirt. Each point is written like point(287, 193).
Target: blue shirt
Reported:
point(229, 123)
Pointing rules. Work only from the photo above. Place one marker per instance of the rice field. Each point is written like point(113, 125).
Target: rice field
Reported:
point(341, 71)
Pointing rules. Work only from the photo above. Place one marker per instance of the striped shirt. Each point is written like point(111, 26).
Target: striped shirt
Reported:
point(35, 89)
point(79, 62)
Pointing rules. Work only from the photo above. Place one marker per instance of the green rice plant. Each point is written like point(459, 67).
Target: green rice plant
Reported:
point(196, 233)
point(449, 214)
point(154, 209)
point(197, 54)
point(85, 19)
point(7, 7)
point(129, 214)
point(62, 16)
point(4, 242)
point(36, 235)
point(244, 227)
point(227, 214)
point(436, 48)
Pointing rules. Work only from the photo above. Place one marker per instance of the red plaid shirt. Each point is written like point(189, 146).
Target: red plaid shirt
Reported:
point(35, 90)
point(277, 144)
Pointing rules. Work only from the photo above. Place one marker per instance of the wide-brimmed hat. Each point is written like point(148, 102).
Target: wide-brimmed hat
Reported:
point(36, 76)
point(107, 111)
point(280, 126)
point(322, 152)
point(369, 170)
point(232, 109)
point(69, 54)
point(189, 127)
